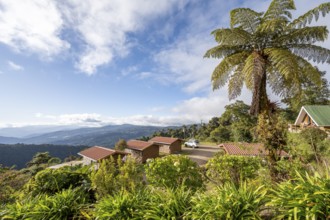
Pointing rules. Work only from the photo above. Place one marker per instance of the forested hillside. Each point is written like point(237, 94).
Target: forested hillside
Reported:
point(19, 154)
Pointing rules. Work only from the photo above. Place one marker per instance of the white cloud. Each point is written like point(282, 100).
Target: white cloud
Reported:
point(32, 26)
point(183, 63)
point(104, 26)
point(15, 66)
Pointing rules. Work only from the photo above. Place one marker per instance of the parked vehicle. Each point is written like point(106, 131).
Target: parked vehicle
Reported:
point(191, 143)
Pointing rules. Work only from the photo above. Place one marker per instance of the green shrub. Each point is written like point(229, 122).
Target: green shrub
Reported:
point(63, 205)
point(51, 181)
point(229, 202)
point(122, 205)
point(286, 169)
point(229, 168)
point(113, 176)
point(306, 197)
point(168, 203)
point(173, 171)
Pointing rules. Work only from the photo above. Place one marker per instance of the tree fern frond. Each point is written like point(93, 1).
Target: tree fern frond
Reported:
point(236, 83)
point(309, 71)
point(235, 36)
point(274, 25)
point(283, 61)
point(221, 73)
point(277, 83)
point(254, 65)
point(225, 50)
point(306, 35)
point(307, 18)
point(245, 18)
point(279, 8)
point(311, 52)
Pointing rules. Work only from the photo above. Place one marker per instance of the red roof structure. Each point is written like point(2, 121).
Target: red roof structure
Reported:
point(247, 149)
point(163, 140)
point(97, 153)
point(138, 145)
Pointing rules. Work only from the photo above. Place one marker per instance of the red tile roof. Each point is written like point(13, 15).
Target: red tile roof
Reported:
point(138, 145)
point(97, 153)
point(163, 140)
point(247, 149)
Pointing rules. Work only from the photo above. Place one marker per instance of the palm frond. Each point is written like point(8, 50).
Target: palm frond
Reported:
point(236, 83)
point(254, 65)
point(307, 18)
point(277, 16)
point(221, 51)
point(279, 9)
point(234, 36)
point(245, 18)
point(221, 73)
point(311, 52)
point(309, 71)
point(306, 35)
point(283, 61)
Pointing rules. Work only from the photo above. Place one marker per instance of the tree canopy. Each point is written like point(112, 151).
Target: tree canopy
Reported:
point(269, 48)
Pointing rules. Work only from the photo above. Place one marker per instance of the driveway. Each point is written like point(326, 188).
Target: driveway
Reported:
point(201, 154)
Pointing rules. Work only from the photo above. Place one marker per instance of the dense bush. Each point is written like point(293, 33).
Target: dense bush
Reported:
point(229, 201)
point(112, 176)
point(63, 205)
point(148, 203)
point(229, 168)
point(168, 203)
point(172, 171)
point(122, 205)
point(306, 197)
point(51, 181)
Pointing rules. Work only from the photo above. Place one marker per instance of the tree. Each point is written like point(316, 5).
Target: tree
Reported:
point(39, 159)
point(311, 94)
point(269, 48)
point(314, 137)
point(121, 145)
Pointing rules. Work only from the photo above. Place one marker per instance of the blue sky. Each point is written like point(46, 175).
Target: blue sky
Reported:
point(93, 63)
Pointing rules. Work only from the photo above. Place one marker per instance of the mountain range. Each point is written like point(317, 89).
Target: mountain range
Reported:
point(88, 136)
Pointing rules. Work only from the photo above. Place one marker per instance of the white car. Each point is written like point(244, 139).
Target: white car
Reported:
point(191, 143)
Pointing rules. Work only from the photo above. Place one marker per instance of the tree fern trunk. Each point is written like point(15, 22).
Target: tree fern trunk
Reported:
point(259, 96)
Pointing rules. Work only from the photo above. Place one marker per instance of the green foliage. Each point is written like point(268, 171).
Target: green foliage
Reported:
point(168, 203)
point(172, 171)
point(229, 201)
point(314, 137)
point(112, 176)
point(149, 203)
point(311, 94)
point(228, 168)
point(11, 181)
point(272, 132)
point(39, 158)
point(306, 197)
point(63, 205)
point(270, 48)
point(51, 181)
point(19, 155)
point(121, 145)
point(122, 205)
point(287, 168)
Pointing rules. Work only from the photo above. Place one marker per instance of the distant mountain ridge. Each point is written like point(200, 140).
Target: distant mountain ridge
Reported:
point(104, 136)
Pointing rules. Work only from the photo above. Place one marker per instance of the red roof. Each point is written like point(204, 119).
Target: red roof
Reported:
point(247, 149)
point(98, 153)
point(138, 145)
point(163, 140)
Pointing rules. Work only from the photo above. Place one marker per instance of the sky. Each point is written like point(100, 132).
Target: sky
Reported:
point(98, 62)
